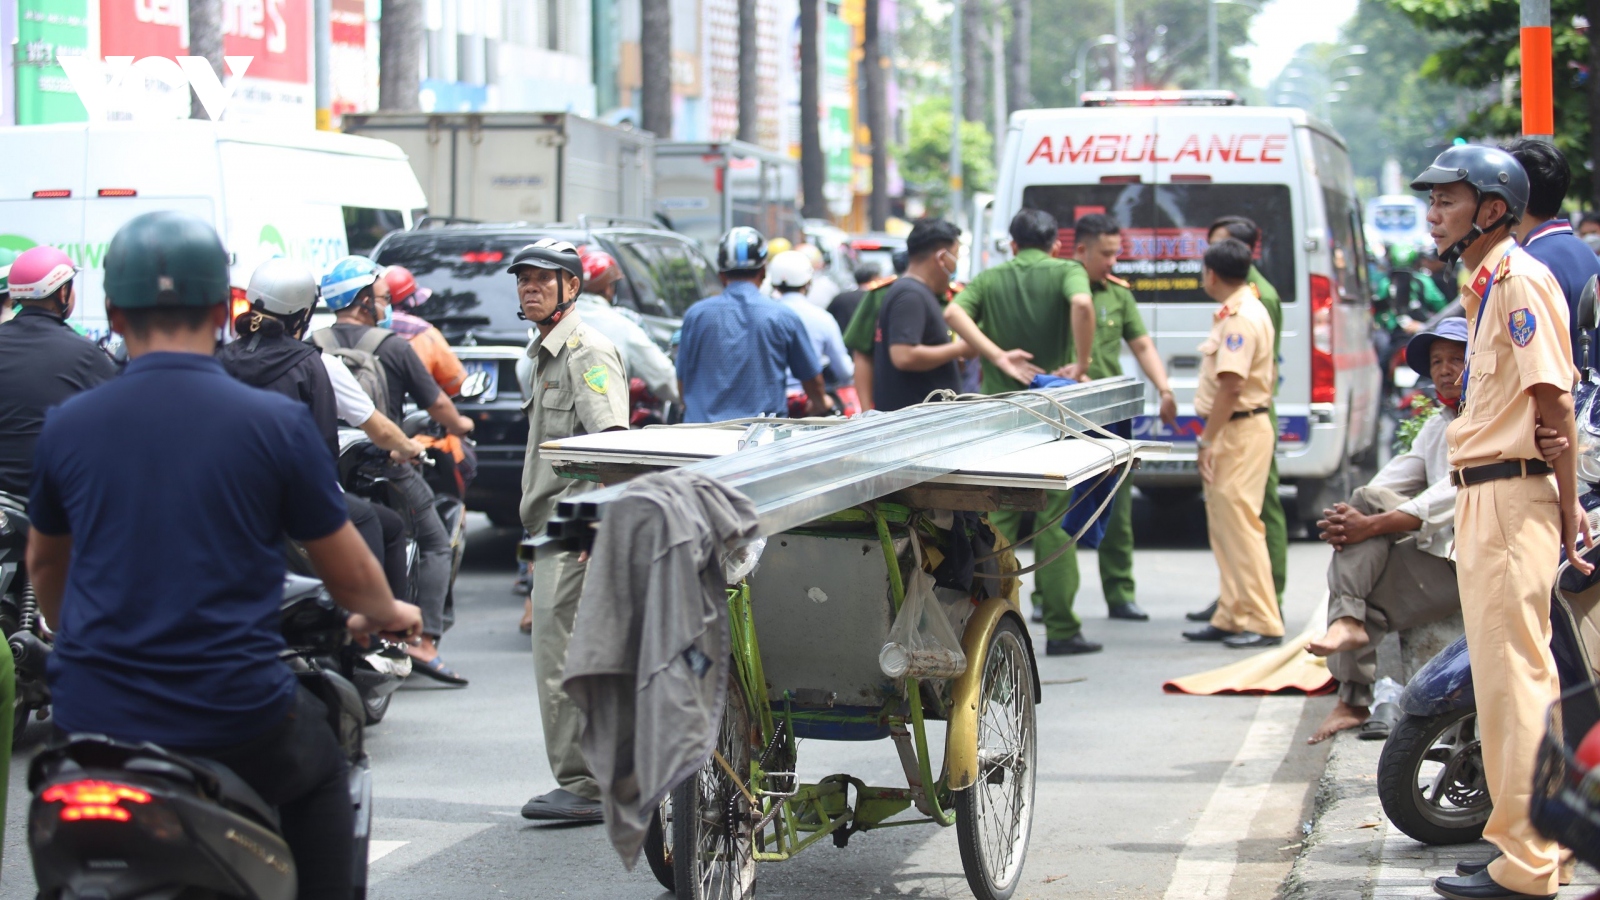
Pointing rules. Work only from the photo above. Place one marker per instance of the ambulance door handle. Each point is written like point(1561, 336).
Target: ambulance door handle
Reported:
point(1183, 362)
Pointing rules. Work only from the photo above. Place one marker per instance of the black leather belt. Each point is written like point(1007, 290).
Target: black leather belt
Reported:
point(1247, 413)
point(1511, 468)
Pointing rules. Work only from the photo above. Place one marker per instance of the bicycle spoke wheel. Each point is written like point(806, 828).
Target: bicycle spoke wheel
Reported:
point(713, 851)
point(995, 815)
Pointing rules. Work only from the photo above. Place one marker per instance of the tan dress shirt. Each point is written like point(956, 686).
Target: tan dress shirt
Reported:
point(1240, 342)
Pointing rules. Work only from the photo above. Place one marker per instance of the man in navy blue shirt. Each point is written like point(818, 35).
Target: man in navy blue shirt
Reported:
point(737, 348)
point(1547, 237)
point(159, 505)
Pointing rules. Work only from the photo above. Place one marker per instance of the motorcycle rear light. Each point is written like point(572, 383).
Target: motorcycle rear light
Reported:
point(238, 303)
point(94, 800)
point(1323, 387)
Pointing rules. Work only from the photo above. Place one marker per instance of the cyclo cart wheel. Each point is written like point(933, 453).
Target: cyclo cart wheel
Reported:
point(994, 816)
point(712, 820)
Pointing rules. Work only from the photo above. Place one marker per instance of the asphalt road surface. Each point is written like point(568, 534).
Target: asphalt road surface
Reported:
point(1140, 794)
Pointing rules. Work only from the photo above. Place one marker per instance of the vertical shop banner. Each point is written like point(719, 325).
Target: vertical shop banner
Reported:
point(838, 131)
point(47, 30)
point(348, 64)
point(275, 34)
point(8, 82)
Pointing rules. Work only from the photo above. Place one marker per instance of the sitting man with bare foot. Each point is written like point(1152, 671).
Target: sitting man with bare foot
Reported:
point(1391, 568)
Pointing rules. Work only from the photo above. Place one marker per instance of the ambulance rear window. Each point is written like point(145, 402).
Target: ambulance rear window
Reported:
point(1164, 230)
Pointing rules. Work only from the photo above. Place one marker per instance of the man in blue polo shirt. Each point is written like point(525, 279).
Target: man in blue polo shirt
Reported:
point(1544, 234)
point(159, 504)
point(737, 348)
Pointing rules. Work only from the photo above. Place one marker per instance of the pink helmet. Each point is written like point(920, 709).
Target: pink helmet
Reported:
point(38, 272)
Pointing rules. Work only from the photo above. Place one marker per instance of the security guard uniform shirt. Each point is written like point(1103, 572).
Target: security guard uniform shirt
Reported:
point(578, 388)
point(1024, 304)
point(1116, 319)
point(1240, 342)
point(1508, 542)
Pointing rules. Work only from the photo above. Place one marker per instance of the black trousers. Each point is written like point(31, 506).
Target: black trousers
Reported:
point(385, 534)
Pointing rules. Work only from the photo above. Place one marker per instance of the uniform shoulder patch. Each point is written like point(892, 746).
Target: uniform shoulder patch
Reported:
point(575, 341)
point(1119, 282)
point(1480, 282)
point(1235, 342)
point(597, 378)
point(1523, 325)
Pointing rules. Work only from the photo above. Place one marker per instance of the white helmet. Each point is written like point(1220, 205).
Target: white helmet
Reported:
point(282, 287)
point(790, 269)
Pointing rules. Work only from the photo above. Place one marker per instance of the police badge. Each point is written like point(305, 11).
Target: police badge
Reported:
point(1523, 325)
point(1235, 342)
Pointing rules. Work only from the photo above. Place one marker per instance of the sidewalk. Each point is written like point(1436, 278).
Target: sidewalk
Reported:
point(1354, 852)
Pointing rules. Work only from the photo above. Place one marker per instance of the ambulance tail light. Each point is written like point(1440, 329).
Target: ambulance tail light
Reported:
point(54, 194)
point(1323, 389)
point(118, 192)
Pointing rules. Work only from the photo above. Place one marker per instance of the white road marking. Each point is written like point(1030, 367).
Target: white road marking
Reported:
point(377, 850)
point(1211, 854)
point(410, 841)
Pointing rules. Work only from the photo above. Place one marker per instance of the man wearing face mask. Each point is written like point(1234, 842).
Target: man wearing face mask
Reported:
point(42, 360)
point(913, 354)
point(579, 387)
point(355, 291)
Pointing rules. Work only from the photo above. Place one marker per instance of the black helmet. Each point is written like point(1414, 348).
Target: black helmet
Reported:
point(549, 253)
point(166, 259)
point(1489, 171)
point(742, 250)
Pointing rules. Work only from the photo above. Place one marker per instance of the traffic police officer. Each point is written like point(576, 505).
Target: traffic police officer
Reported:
point(1024, 316)
point(578, 388)
point(1097, 244)
point(1234, 394)
point(1512, 516)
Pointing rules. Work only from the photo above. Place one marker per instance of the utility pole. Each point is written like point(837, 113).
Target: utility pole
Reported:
point(400, 55)
point(205, 39)
point(749, 76)
point(813, 166)
point(874, 61)
point(322, 27)
point(1213, 78)
point(1117, 70)
point(997, 73)
point(1538, 101)
point(655, 67)
point(1018, 87)
point(1592, 89)
point(957, 187)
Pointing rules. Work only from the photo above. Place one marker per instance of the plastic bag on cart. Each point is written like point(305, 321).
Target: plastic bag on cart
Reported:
point(921, 642)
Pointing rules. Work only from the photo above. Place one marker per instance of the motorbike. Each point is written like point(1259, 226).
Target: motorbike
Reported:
point(1430, 775)
point(20, 621)
point(111, 818)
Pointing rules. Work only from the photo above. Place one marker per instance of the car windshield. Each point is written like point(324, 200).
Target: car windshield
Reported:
point(1164, 230)
point(471, 290)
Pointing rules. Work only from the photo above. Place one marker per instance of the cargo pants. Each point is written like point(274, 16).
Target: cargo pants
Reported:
point(557, 586)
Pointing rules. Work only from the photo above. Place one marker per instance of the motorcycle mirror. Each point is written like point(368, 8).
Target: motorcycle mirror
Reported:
point(415, 423)
point(475, 385)
point(1587, 305)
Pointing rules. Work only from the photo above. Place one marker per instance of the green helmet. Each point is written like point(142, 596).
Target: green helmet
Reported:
point(1402, 256)
point(166, 259)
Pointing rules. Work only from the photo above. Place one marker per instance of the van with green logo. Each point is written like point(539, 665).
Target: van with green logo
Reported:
point(308, 195)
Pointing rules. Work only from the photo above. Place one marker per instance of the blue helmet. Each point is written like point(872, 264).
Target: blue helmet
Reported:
point(346, 279)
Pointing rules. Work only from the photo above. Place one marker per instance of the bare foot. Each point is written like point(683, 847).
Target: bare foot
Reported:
point(1342, 717)
point(424, 650)
point(526, 626)
point(1344, 634)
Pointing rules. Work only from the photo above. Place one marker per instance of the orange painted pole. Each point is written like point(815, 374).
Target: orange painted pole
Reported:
point(1538, 75)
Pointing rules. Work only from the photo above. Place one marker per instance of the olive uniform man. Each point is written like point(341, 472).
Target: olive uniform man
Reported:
point(578, 387)
point(1512, 517)
point(1234, 394)
point(1023, 316)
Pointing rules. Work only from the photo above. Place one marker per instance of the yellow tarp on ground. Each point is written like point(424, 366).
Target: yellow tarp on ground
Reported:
point(1286, 668)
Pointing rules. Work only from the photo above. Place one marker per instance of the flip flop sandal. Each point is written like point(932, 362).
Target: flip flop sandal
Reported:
point(1384, 716)
point(437, 670)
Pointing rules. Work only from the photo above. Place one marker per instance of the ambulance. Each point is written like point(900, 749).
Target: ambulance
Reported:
point(309, 195)
point(1165, 165)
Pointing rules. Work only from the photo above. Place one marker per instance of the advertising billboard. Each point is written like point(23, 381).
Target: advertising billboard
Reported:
point(46, 31)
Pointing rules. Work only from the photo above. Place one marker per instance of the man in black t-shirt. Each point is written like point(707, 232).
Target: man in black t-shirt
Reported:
point(843, 307)
point(913, 353)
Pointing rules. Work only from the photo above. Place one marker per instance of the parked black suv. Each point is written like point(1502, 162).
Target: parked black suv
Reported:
point(474, 304)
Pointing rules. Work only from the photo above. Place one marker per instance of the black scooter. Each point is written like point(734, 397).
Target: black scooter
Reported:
point(1430, 776)
point(111, 819)
point(20, 622)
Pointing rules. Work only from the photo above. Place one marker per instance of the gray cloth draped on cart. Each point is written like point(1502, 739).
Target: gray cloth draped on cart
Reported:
point(648, 663)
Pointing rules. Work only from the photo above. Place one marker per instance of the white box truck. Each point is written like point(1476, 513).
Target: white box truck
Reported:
point(307, 195)
point(521, 167)
point(1165, 165)
point(702, 190)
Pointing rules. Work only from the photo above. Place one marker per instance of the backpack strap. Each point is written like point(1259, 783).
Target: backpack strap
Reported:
point(325, 340)
point(372, 340)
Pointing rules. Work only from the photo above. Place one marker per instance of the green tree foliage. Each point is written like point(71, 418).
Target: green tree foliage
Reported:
point(925, 158)
point(1479, 51)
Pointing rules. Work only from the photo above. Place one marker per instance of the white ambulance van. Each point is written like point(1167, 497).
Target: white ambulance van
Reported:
point(1165, 165)
point(308, 195)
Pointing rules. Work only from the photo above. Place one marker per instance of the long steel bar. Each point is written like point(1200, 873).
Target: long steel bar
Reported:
point(804, 478)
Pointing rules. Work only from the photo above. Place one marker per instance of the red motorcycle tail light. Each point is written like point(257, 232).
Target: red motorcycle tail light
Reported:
point(90, 800)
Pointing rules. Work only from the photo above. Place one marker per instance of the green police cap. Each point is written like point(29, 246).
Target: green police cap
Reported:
point(166, 259)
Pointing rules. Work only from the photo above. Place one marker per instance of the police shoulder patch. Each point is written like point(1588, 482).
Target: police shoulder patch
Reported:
point(597, 378)
point(1523, 325)
point(1235, 342)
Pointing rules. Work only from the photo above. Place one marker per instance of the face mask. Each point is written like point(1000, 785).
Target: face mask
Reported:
point(388, 317)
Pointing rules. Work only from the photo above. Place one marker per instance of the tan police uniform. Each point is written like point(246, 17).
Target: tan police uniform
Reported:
point(1241, 343)
point(1508, 541)
point(578, 388)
